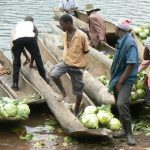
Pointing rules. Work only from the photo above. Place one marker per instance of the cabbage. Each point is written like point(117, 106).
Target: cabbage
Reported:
point(102, 79)
point(140, 85)
point(104, 107)
point(142, 35)
point(137, 30)
point(3, 113)
point(6, 100)
point(90, 121)
point(23, 111)
point(146, 31)
point(114, 124)
point(90, 110)
point(141, 93)
point(104, 117)
point(133, 96)
point(11, 110)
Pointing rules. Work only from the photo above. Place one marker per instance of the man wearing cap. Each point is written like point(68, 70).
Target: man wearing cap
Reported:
point(69, 6)
point(25, 36)
point(123, 75)
point(96, 26)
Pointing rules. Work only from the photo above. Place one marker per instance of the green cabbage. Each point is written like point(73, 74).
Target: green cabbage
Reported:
point(114, 124)
point(137, 30)
point(133, 96)
point(90, 110)
point(90, 121)
point(3, 113)
point(104, 117)
point(10, 109)
point(23, 111)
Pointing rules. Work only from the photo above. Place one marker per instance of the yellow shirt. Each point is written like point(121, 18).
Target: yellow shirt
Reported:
point(73, 54)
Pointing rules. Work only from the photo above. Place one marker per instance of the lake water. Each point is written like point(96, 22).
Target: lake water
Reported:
point(12, 11)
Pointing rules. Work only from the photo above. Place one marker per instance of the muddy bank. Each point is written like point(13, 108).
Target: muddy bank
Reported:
point(42, 131)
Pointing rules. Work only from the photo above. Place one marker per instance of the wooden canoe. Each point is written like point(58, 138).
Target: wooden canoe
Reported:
point(97, 65)
point(81, 20)
point(67, 120)
point(110, 33)
point(26, 90)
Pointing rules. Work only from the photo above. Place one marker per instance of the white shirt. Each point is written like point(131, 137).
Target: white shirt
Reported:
point(67, 5)
point(24, 29)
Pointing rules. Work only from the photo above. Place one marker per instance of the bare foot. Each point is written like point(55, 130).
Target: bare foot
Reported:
point(26, 62)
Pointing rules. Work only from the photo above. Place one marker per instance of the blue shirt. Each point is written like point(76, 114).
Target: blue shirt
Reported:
point(126, 53)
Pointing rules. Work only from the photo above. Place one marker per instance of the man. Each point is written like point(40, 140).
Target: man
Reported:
point(123, 75)
point(74, 59)
point(96, 26)
point(25, 37)
point(69, 6)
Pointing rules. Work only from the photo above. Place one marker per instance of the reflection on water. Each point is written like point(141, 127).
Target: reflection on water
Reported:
point(13, 11)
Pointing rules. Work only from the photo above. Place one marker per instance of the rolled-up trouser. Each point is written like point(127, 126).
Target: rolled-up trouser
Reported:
point(30, 43)
point(75, 73)
point(122, 100)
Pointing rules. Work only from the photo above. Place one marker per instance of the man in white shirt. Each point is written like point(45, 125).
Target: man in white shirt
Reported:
point(69, 6)
point(26, 37)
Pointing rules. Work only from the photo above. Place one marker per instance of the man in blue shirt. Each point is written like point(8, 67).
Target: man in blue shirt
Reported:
point(123, 75)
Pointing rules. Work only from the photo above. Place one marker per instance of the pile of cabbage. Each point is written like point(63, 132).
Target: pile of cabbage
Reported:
point(99, 117)
point(13, 108)
point(142, 32)
point(138, 90)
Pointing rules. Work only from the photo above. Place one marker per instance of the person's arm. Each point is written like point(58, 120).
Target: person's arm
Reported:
point(35, 31)
point(131, 60)
point(124, 76)
point(85, 44)
point(146, 54)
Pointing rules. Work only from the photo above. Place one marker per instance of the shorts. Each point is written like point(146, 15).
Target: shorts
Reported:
point(75, 73)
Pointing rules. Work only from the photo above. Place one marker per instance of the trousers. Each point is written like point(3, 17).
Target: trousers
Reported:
point(30, 43)
point(122, 100)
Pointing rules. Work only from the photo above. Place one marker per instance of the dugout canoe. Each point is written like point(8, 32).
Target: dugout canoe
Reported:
point(26, 90)
point(81, 21)
point(98, 64)
point(71, 125)
point(107, 49)
point(110, 33)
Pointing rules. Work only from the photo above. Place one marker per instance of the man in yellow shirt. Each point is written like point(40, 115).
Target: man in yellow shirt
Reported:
point(74, 59)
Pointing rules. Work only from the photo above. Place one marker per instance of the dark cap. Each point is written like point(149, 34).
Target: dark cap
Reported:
point(28, 18)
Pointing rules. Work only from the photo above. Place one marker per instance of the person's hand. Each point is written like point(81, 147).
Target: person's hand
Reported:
point(118, 87)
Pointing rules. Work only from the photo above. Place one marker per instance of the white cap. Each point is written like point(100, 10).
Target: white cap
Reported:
point(124, 24)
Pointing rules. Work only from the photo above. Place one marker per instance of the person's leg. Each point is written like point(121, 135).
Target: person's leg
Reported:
point(31, 63)
point(124, 111)
point(76, 75)
point(55, 74)
point(16, 50)
point(26, 56)
point(33, 48)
